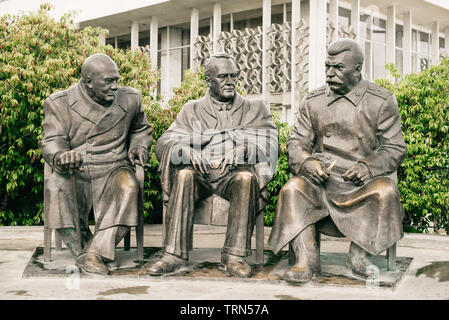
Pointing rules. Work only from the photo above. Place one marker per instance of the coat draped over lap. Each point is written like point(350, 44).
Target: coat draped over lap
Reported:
point(362, 126)
point(198, 126)
point(103, 135)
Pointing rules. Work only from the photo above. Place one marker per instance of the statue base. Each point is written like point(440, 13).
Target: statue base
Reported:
point(204, 264)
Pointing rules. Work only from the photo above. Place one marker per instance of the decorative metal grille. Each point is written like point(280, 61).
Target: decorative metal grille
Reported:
point(246, 48)
point(279, 57)
point(301, 65)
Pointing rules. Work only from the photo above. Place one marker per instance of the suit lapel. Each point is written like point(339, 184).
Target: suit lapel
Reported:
point(210, 113)
point(237, 110)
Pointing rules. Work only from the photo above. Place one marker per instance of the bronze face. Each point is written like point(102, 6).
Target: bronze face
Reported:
point(103, 84)
point(342, 72)
point(222, 77)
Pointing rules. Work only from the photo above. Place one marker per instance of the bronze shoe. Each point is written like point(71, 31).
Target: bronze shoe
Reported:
point(300, 273)
point(235, 265)
point(358, 261)
point(92, 263)
point(167, 264)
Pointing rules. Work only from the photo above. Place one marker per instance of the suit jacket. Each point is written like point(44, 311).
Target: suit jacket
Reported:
point(73, 121)
point(198, 125)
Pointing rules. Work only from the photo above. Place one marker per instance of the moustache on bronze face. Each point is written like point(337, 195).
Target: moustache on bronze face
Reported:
point(334, 83)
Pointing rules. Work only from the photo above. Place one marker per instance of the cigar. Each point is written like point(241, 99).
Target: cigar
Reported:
point(331, 166)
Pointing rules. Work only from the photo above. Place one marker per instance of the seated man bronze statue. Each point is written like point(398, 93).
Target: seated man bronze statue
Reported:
point(222, 144)
point(93, 133)
point(343, 152)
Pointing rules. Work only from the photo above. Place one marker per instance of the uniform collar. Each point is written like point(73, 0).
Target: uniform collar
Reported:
point(355, 95)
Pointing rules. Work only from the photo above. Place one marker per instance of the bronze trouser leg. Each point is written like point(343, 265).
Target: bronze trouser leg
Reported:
point(180, 213)
point(306, 248)
point(104, 241)
point(241, 192)
point(69, 237)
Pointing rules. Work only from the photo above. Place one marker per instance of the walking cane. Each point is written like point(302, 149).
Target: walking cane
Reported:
point(76, 213)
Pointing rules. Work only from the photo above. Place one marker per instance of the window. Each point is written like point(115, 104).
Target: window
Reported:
point(365, 42)
point(173, 55)
point(248, 19)
point(420, 50)
point(372, 40)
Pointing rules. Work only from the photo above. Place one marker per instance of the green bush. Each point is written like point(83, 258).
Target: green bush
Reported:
point(423, 177)
point(282, 173)
point(39, 56)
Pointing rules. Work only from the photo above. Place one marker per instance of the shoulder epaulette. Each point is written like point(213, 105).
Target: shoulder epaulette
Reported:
point(316, 92)
point(378, 91)
point(57, 95)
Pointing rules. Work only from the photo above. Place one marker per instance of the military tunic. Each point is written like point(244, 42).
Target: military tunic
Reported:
point(362, 126)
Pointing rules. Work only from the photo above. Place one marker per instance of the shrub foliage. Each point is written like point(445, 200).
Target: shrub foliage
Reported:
point(423, 177)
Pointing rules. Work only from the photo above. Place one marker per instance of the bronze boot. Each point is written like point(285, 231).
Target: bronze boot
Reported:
point(307, 256)
point(235, 265)
point(91, 263)
point(358, 260)
point(166, 264)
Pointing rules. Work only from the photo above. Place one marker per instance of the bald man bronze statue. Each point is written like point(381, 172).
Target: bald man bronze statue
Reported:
point(94, 130)
point(222, 144)
point(343, 152)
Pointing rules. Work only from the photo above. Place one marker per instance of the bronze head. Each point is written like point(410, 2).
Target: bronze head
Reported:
point(344, 63)
point(99, 76)
point(221, 75)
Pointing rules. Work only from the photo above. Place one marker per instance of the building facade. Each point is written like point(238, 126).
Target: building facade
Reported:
point(280, 45)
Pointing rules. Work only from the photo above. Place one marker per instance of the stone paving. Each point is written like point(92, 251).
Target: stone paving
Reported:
point(423, 264)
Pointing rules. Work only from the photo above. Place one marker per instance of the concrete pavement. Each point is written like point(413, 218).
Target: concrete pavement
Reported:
point(427, 277)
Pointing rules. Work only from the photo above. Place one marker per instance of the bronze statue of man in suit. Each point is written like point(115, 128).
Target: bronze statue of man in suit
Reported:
point(344, 150)
point(222, 144)
point(94, 130)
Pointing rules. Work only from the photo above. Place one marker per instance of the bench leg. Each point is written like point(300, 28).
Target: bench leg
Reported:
point(259, 241)
point(139, 238)
point(127, 240)
point(291, 255)
point(391, 258)
point(58, 241)
point(47, 244)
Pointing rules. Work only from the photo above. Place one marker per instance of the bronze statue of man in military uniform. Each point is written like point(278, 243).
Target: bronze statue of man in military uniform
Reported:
point(94, 131)
point(344, 150)
point(222, 144)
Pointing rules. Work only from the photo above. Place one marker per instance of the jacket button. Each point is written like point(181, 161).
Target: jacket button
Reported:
point(327, 134)
point(360, 136)
point(90, 141)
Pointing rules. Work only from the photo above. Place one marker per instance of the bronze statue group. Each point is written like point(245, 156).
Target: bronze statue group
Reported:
point(343, 152)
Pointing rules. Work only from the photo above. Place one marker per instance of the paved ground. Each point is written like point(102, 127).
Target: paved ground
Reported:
point(427, 278)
